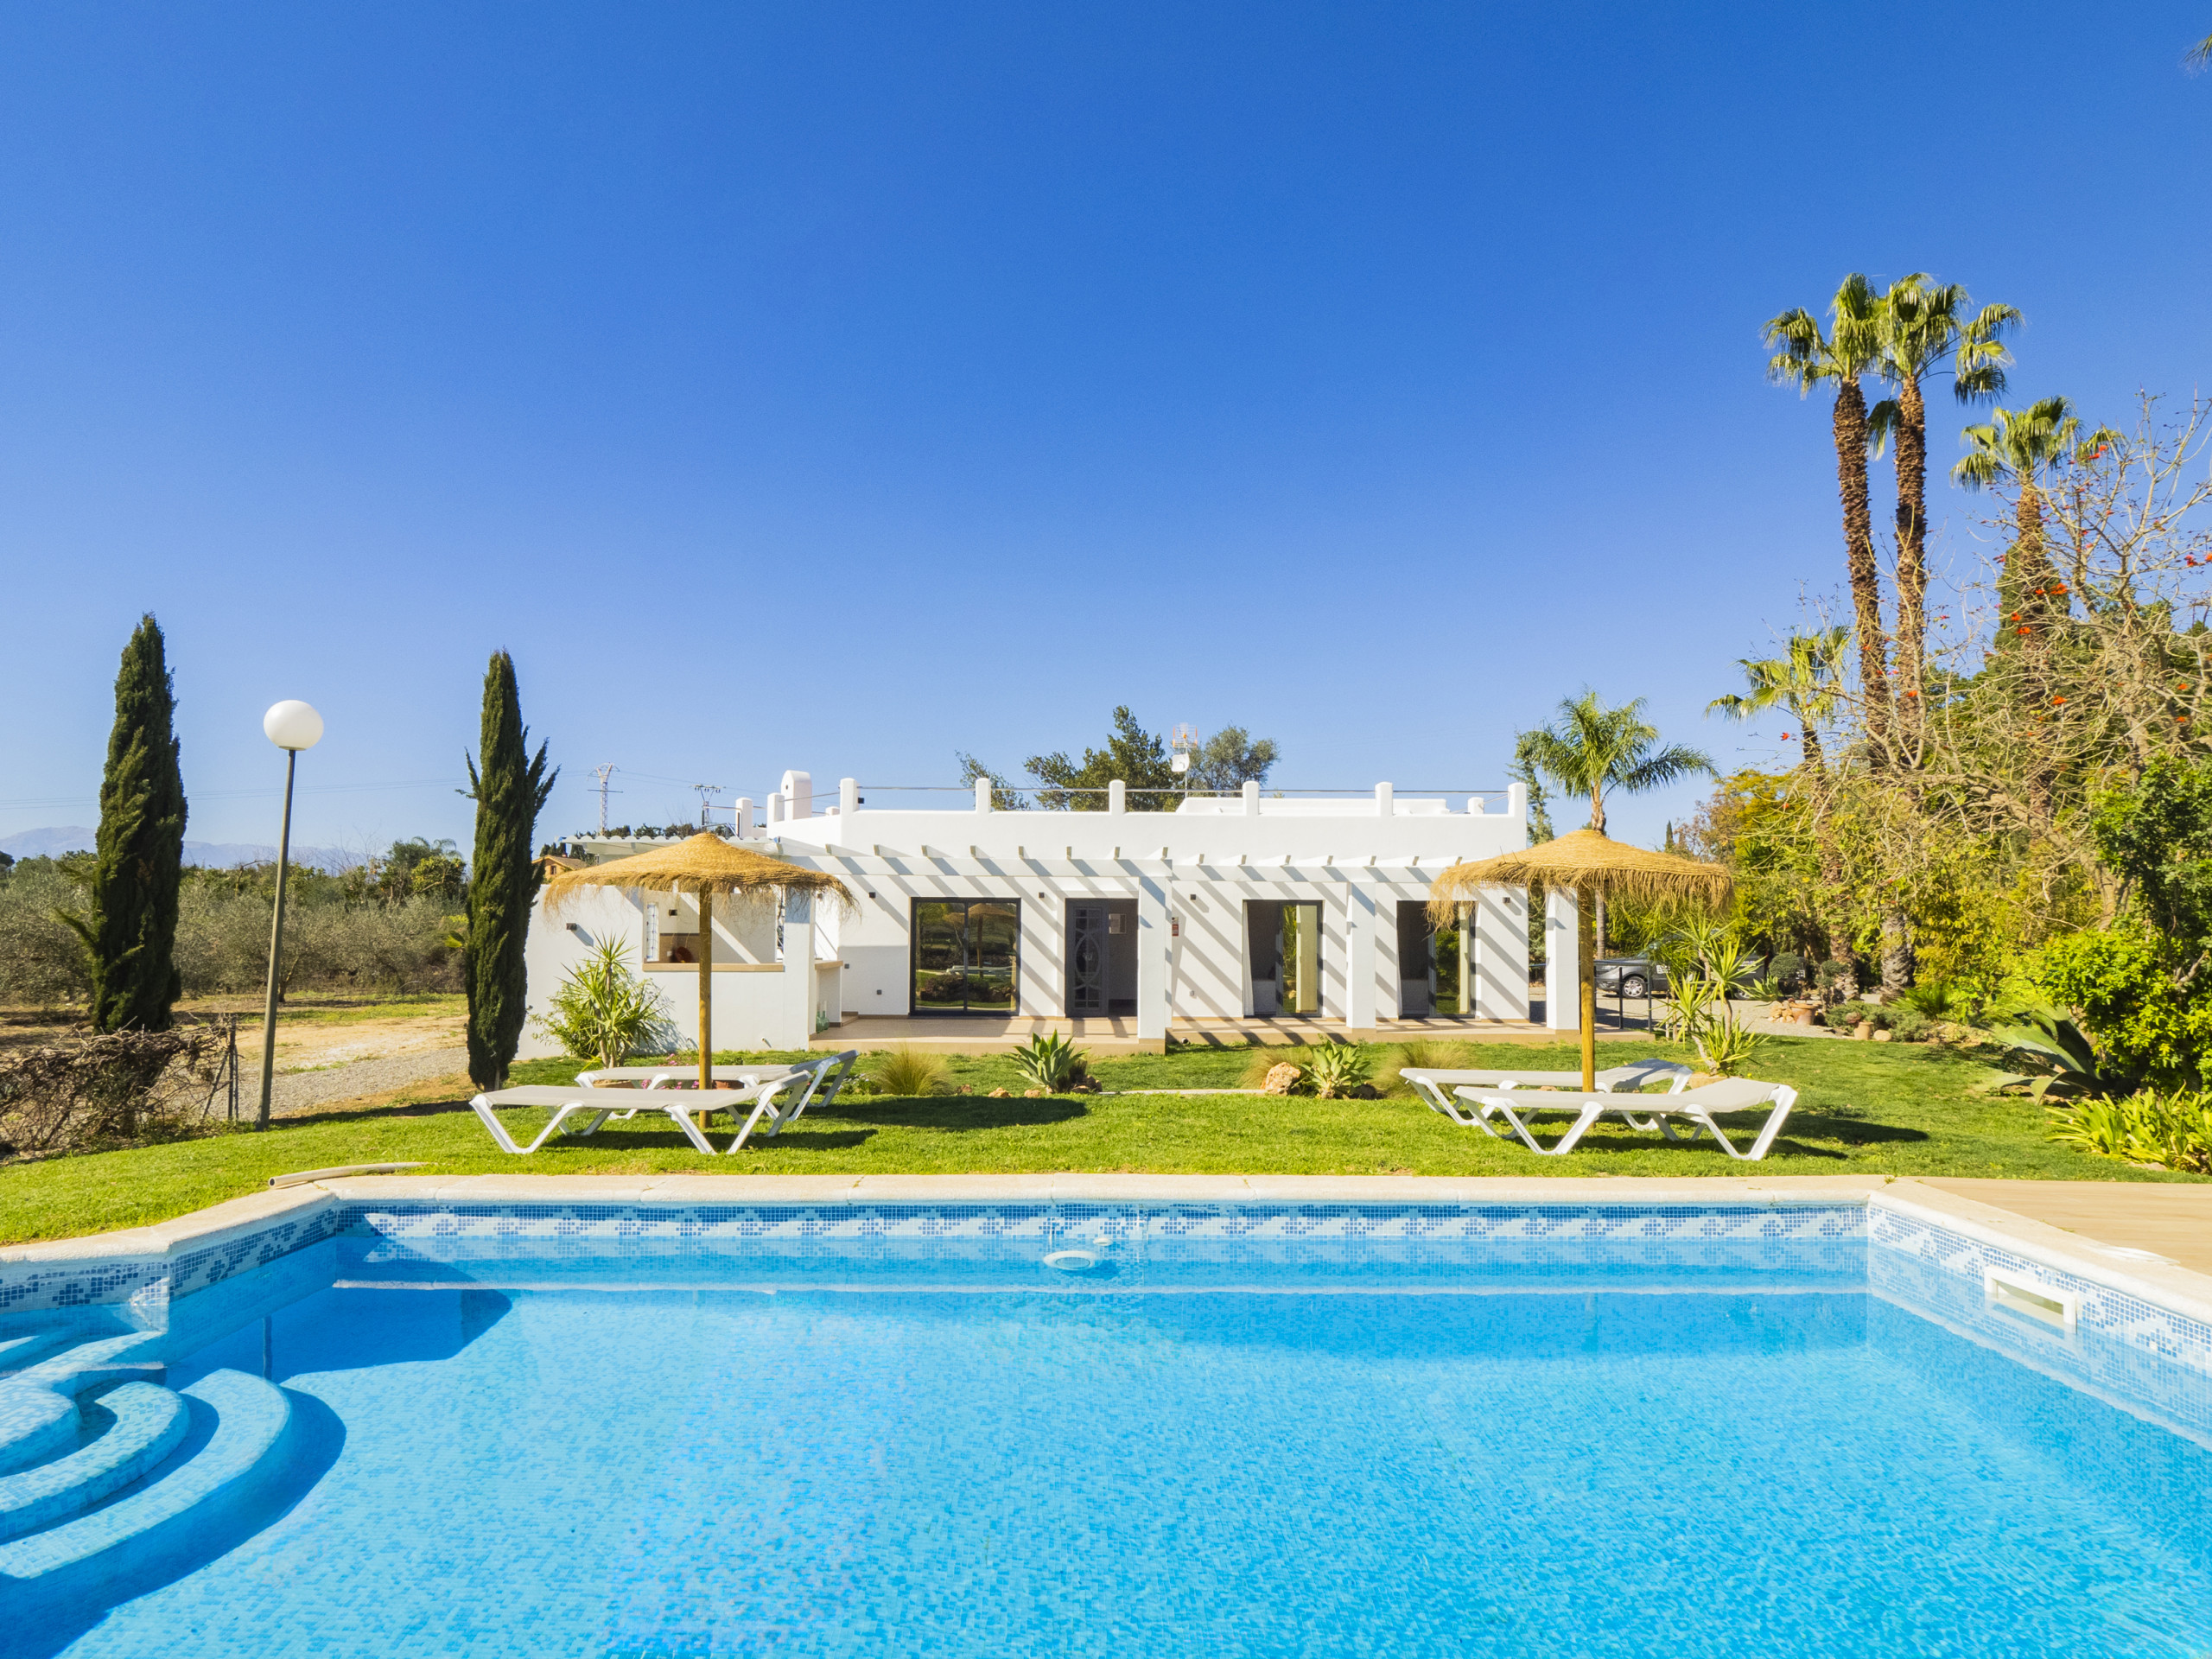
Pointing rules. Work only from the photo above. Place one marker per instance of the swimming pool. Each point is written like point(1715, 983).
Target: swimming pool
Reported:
point(1289, 1428)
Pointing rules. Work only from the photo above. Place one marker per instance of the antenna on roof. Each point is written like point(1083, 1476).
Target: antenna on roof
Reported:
point(603, 773)
point(1181, 746)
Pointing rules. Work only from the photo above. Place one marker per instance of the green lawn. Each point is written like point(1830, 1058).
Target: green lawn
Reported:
point(1895, 1110)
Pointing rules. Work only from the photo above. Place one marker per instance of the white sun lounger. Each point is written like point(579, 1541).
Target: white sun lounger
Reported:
point(769, 1093)
point(659, 1076)
point(1697, 1107)
point(570, 1101)
point(1437, 1089)
point(832, 1069)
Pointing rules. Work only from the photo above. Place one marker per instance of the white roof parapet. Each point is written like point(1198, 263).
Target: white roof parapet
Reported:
point(1275, 806)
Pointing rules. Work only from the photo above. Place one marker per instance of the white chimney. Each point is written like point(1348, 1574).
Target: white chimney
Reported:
point(798, 795)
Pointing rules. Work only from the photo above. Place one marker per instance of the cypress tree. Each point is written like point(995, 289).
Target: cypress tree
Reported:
point(510, 789)
point(129, 930)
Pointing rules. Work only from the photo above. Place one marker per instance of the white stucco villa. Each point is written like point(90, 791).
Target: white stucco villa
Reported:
point(1229, 918)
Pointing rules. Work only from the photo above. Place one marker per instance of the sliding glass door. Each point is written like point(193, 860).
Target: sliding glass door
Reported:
point(967, 955)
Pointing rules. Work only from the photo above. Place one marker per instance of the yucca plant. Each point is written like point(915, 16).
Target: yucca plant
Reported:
point(1336, 1069)
point(1052, 1062)
point(1727, 1046)
point(603, 1011)
point(907, 1072)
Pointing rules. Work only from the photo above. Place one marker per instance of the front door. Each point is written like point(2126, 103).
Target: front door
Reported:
point(1429, 974)
point(966, 954)
point(1285, 941)
point(1086, 960)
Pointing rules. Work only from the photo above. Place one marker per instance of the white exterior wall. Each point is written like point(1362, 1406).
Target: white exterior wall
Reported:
point(1189, 875)
point(754, 1004)
point(1563, 961)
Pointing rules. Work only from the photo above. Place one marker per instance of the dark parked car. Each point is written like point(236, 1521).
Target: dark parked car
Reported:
point(1632, 976)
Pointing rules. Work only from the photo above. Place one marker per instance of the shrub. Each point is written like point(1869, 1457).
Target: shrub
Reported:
point(2130, 1007)
point(907, 1072)
point(603, 1011)
point(1787, 970)
point(1908, 1024)
point(95, 1093)
point(2170, 1130)
point(1052, 1062)
point(1334, 1070)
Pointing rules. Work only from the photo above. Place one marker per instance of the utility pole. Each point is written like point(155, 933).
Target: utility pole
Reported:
point(603, 773)
point(705, 790)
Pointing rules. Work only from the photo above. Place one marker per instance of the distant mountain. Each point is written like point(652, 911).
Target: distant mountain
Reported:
point(218, 855)
point(47, 843)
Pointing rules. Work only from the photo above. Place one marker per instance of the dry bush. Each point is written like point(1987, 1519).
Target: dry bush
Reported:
point(92, 1093)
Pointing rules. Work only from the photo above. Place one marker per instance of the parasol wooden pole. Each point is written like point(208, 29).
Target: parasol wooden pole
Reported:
point(1585, 967)
point(706, 988)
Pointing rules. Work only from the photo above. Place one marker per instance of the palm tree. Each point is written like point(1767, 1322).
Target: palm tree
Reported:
point(1809, 358)
point(1927, 326)
point(1805, 680)
point(2019, 448)
point(2200, 55)
point(1589, 749)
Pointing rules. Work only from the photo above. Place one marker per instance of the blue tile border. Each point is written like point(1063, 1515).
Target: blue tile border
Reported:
point(2108, 1310)
point(1472, 1236)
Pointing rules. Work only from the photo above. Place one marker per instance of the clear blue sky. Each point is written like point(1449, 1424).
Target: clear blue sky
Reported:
point(835, 387)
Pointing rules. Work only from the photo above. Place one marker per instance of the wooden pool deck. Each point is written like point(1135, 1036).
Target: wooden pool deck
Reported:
point(2168, 1218)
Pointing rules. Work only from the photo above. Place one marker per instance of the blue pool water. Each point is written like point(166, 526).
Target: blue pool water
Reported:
point(525, 1457)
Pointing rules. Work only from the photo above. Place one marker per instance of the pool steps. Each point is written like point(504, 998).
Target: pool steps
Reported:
point(148, 1422)
point(106, 1464)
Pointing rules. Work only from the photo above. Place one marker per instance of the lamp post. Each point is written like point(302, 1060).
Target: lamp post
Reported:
point(291, 725)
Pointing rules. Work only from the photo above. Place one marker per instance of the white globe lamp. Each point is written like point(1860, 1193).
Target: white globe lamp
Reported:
point(292, 726)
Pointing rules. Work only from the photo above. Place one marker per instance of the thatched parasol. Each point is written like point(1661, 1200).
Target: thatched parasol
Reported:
point(1592, 863)
point(705, 864)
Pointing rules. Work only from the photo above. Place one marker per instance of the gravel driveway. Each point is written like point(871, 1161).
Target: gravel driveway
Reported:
point(298, 1093)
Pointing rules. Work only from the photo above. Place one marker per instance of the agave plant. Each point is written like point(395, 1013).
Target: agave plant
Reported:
point(2058, 1060)
point(1336, 1069)
point(1052, 1062)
